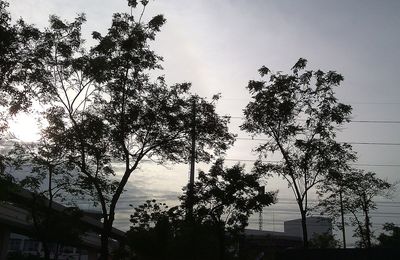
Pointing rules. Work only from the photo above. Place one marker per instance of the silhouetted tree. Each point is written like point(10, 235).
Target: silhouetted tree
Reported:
point(20, 69)
point(331, 190)
point(103, 108)
point(18, 75)
point(224, 199)
point(358, 189)
point(391, 240)
point(47, 175)
point(299, 114)
point(324, 241)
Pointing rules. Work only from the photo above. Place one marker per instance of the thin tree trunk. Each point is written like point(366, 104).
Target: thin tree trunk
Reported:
point(367, 229)
point(46, 251)
point(221, 235)
point(342, 214)
point(304, 226)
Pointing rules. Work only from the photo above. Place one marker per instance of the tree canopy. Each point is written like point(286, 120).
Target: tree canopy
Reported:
point(358, 190)
point(101, 106)
point(224, 199)
point(299, 114)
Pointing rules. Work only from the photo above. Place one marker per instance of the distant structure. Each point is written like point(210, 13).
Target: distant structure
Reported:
point(257, 244)
point(315, 226)
point(16, 225)
point(28, 246)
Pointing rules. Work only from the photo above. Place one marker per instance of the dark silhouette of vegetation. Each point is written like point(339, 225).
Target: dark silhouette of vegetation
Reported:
point(358, 190)
point(324, 241)
point(48, 176)
point(299, 114)
point(332, 189)
point(103, 109)
point(223, 202)
point(101, 106)
point(391, 240)
point(18, 70)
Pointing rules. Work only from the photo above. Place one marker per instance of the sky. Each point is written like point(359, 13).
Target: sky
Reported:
point(218, 46)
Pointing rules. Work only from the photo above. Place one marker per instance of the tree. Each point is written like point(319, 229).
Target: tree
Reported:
point(19, 70)
point(47, 176)
point(103, 108)
point(325, 240)
point(224, 199)
point(330, 193)
point(299, 114)
point(391, 240)
point(358, 190)
point(18, 73)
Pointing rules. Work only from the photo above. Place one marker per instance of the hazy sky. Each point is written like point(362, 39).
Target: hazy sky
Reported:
point(218, 45)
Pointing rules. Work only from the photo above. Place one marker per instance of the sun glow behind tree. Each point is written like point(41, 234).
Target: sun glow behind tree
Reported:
point(25, 128)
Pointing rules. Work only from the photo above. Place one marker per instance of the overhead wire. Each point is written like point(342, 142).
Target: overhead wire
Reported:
point(351, 121)
point(355, 143)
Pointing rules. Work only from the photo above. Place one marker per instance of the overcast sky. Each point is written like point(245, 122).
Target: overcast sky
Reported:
point(218, 45)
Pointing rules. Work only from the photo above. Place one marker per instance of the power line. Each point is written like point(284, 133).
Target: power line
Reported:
point(352, 121)
point(376, 121)
point(347, 102)
point(277, 161)
point(355, 143)
point(375, 165)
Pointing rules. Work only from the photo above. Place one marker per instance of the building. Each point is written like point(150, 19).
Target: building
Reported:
point(315, 226)
point(16, 224)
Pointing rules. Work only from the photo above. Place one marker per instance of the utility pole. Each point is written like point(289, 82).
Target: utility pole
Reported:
point(192, 161)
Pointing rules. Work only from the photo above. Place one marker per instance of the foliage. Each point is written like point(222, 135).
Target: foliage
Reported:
point(46, 174)
point(228, 196)
point(299, 114)
point(159, 232)
point(391, 240)
point(358, 188)
point(101, 106)
point(324, 241)
point(52, 226)
point(224, 200)
point(17, 72)
point(19, 68)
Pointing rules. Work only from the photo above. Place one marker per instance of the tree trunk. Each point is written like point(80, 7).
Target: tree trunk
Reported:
point(367, 229)
point(46, 251)
point(221, 236)
point(104, 247)
point(105, 235)
point(304, 227)
point(342, 215)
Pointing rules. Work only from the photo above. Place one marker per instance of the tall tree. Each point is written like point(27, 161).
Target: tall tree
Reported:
point(331, 201)
point(104, 109)
point(101, 105)
point(299, 114)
